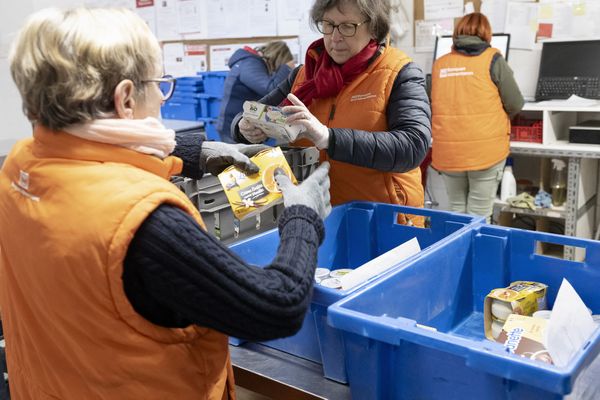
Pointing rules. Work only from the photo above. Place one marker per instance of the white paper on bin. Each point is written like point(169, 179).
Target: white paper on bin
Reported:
point(570, 325)
point(380, 264)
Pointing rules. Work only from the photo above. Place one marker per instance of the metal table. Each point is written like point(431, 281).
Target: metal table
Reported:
point(279, 375)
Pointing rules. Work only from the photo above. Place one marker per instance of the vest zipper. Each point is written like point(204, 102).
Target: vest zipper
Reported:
point(332, 112)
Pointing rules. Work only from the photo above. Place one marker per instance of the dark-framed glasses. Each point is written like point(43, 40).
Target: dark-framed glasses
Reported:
point(166, 84)
point(346, 29)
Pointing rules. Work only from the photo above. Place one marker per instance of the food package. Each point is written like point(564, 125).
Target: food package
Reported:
point(524, 336)
point(251, 194)
point(271, 120)
point(521, 297)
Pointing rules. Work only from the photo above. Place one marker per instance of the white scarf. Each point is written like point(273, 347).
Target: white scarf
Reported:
point(148, 136)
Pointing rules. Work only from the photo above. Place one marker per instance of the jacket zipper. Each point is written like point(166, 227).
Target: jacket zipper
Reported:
point(332, 112)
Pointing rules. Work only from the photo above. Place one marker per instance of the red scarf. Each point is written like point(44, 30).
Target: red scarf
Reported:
point(325, 78)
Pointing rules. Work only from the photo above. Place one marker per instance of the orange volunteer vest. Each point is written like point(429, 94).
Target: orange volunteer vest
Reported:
point(362, 105)
point(471, 130)
point(69, 209)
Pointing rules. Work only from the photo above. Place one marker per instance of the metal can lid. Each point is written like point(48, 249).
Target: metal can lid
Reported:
point(321, 273)
point(338, 273)
point(332, 283)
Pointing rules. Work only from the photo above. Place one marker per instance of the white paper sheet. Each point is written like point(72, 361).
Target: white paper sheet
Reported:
point(167, 23)
point(521, 23)
point(570, 325)
point(191, 15)
point(441, 9)
point(495, 11)
point(148, 14)
point(380, 264)
point(573, 101)
point(288, 17)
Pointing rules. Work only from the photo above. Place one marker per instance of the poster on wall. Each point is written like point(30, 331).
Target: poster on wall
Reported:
point(443, 9)
point(145, 9)
point(190, 15)
point(167, 23)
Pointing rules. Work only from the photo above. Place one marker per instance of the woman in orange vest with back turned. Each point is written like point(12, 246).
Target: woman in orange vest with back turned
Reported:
point(110, 287)
point(362, 103)
point(473, 96)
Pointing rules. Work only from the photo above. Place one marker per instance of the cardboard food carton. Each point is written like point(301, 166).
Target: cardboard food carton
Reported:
point(271, 120)
point(521, 297)
point(251, 194)
point(524, 336)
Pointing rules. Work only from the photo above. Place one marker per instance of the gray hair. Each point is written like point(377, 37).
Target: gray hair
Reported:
point(376, 11)
point(67, 63)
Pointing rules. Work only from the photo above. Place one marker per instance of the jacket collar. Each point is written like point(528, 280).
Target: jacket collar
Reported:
point(48, 143)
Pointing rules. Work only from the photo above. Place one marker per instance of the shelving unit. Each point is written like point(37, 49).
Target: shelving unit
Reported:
point(579, 212)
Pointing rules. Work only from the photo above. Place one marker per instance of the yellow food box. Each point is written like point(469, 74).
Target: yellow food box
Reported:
point(251, 194)
point(521, 297)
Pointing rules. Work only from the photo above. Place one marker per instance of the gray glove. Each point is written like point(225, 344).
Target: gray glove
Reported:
point(216, 156)
point(313, 192)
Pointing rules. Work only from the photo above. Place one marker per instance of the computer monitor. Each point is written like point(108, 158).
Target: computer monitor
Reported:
point(443, 44)
point(567, 68)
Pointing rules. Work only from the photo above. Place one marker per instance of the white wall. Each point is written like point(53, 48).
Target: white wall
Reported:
point(12, 16)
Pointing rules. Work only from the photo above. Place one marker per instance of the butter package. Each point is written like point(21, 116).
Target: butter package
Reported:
point(524, 336)
point(271, 120)
point(521, 297)
point(251, 194)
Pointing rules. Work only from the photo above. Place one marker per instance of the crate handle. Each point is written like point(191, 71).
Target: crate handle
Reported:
point(214, 209)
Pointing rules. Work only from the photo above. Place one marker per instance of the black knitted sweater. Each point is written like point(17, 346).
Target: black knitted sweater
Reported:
point(176, 274)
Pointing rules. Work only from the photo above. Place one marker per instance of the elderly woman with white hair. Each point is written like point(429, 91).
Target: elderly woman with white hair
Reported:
point(110, 288)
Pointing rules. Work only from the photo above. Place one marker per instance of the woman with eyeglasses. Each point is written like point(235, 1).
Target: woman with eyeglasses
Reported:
point(110, 287)
point(362, 102)
point(253, 72)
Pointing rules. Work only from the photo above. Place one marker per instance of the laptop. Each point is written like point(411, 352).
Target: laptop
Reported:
point(569, 68)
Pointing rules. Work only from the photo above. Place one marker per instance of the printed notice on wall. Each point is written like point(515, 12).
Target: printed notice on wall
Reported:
point(441, 9)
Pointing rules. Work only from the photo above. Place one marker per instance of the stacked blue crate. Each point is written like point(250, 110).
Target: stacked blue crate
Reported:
point(197, 98)
point(185, 104)
point(210, 100)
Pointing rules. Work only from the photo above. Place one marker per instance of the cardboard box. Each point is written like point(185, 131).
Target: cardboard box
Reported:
point(271, 120)
point(251, 194)
point(521, 297)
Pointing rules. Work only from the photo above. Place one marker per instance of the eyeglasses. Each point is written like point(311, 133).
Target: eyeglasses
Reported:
point(346, 29)
point(166, 84)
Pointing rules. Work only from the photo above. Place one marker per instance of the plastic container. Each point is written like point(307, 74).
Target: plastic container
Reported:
point(508, 187)
point(211, 105)
point(214, 82)
point(558, 182)
point(525, 130)
point(210, 128)
point(354, 234)
point(184, 108)
point(418, 332)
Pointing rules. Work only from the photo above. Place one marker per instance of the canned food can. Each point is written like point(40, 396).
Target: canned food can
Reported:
point(332, 283)
point(322, 273)
point(338, 273)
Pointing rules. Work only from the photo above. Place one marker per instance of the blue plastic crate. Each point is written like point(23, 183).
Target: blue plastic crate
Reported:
point(214, 82)
point(390, 357)
point(211, 105)
point(354, 234)
point(210, 128)
point(181, 108)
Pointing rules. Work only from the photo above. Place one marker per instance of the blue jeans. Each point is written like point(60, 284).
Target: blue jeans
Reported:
point(473, 192)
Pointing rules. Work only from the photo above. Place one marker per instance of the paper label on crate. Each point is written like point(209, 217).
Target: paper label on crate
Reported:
point(271, 120)
point(380, 264)
point(251, 194)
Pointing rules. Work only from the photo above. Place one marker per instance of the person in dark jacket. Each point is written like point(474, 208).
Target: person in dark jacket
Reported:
point(253, 73)
point(360, 101)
